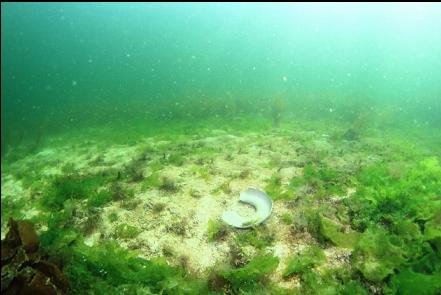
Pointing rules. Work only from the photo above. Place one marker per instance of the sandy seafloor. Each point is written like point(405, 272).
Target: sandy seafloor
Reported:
point(239, 161)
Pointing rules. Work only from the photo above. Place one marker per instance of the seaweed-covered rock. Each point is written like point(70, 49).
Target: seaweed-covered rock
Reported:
point(24, 270)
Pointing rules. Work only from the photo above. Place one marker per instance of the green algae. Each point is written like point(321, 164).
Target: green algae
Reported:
point(216, 230)
point(311, 257)
point(250, 276)
point(259, 237)
point(126, 231)
point(276, 190)
point(390, 224)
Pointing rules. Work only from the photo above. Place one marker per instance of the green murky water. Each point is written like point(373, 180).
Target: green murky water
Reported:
point(333, 109)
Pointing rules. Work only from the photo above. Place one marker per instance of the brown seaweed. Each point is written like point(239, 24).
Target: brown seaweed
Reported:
point(24, 269)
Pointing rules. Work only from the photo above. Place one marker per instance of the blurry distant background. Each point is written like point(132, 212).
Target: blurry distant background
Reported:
point(69, 66)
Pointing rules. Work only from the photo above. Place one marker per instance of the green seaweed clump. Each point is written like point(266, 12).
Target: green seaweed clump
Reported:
point(330, 281)
point(12, 207)
point(400, 214)
point(162, 183)
point(175, 159)
point(113, 217)
point(258, 237)
point(99, 199)
point(251, 276)
point(409, 282)
point(107, 268)
point(152, 181)
point(119, 192)
point(168, 185)
point(287, 218)
point(75, 187)
point(323, 181)
point(311, 257)
point(377, 255)
point(276, 190)
point(158, 207)
point(223, 187)
point(125, 231)
point(110, 269)
point(329, 230)
point(432, 231)
point(91, 223)
point(216, 230)
point(383, 197)
point(60, 234)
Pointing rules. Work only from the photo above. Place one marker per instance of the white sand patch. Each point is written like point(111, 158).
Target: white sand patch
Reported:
point(11, 187)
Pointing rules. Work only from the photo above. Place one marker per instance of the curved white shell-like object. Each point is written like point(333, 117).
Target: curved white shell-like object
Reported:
point(256, 198)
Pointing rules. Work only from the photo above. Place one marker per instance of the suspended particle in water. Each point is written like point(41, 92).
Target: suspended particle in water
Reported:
point(331, 110)
point(74, 83)
point(284, 78)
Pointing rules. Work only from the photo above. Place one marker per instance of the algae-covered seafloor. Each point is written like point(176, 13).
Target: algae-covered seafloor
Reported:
point(128, 130)
point(349, 216)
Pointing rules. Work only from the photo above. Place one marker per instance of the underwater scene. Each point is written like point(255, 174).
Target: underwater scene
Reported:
point(221, 148)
